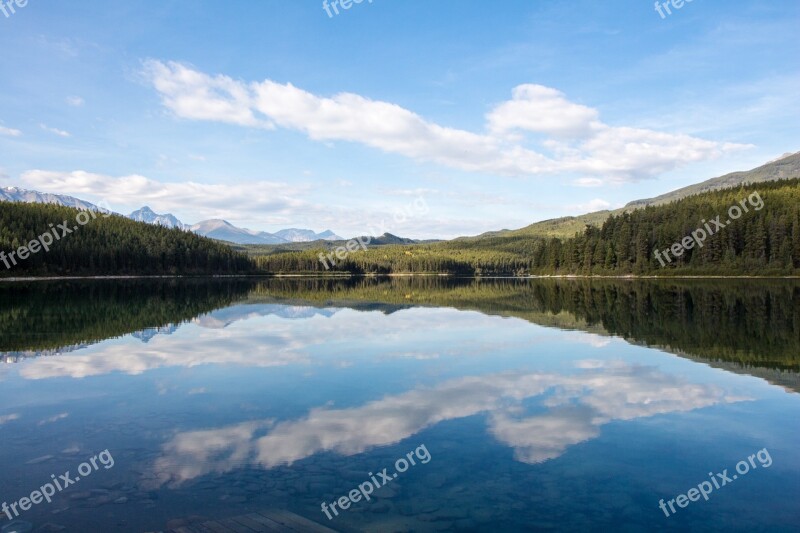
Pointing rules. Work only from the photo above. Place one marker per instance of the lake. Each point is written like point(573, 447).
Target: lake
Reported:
point(404, 404)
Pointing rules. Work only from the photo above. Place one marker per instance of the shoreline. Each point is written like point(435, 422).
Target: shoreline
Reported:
point(394, 275)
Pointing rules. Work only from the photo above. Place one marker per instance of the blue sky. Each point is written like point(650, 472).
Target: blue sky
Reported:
point(272, 114)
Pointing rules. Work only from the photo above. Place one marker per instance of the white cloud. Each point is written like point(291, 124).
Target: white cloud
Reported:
point(588, 182)
point(216, 450)
point(10, 132)
point(544, 437)
point(8, 418)
point(194, 95)
point(583, 404)
point(578, 141)
point(60, 133)
point(225, 200)
point(52, 419)
point(258, 204)
point(597, 204)
point(596, 341)
point(389, 127)
point(615, 152)
point(286, 341)
point(541, 109)
point(75, 101)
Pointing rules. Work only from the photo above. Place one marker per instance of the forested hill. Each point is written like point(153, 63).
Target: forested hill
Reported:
point(786, 167)
point(757, 233)
point(765, 240)
point(103, 245)
point(745, 230)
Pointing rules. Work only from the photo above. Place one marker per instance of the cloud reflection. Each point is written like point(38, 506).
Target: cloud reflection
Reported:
point(274, 335)
point(579, 404)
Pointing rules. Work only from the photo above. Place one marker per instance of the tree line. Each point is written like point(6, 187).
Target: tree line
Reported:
point(736, 321)
point(107, 246)
point(763, 242)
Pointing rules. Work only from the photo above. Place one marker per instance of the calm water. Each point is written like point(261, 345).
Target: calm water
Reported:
point(525, 405)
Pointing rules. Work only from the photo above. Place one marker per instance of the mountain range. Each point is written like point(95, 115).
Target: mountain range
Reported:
point(784, 167)
point(214, 228)
point(15, 194)
point(225, 231)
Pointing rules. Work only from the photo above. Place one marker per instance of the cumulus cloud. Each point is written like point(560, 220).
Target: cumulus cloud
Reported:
point(194, 95)
point(541, 109)
point(223, 200)
point(567, 137)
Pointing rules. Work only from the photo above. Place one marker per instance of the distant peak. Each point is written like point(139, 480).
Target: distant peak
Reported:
point(784, 156)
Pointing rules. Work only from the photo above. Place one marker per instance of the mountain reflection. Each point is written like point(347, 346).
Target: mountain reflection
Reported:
point(699, 319)
point(577, 405)
point(266, 338)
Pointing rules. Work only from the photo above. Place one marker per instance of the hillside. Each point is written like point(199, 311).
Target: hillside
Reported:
point(766, 241)
point(322, 244)
point(75, 243)
point(786, 167)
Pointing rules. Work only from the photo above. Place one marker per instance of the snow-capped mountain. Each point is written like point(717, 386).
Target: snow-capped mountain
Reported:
point(213, 228)
point(147, 215)
point(306, 235)
point(225, 231)
point(222, 318)
point(15, 194)
point(146, 335)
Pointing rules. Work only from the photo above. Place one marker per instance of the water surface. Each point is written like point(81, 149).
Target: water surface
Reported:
point(531, 405)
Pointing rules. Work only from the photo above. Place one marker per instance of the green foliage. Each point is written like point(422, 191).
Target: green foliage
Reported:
point(49, 315)
point(765, 242)
point(109, 246)
point(734, 321)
